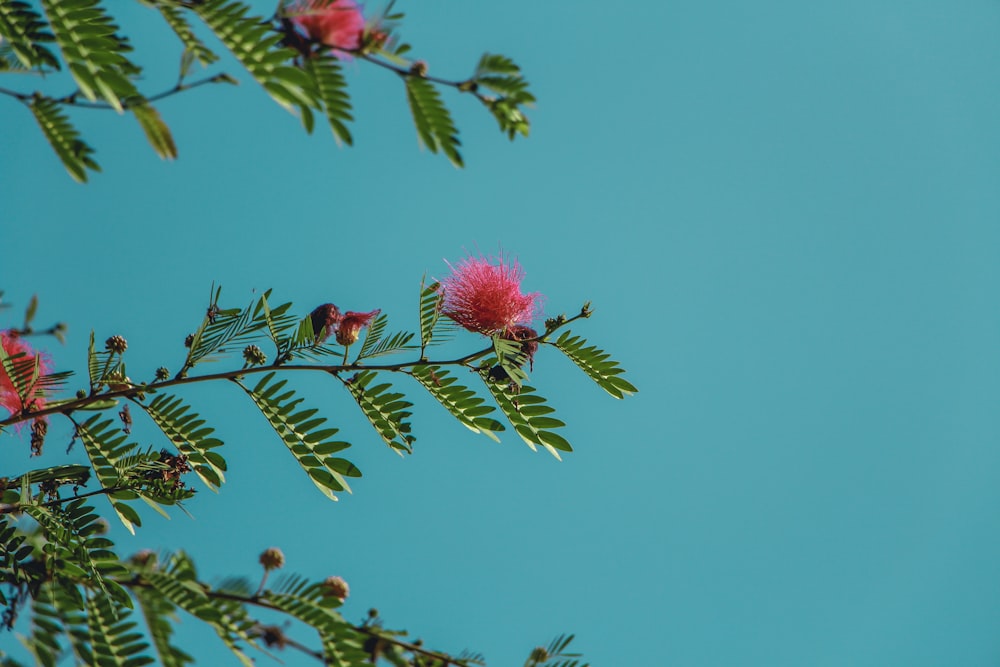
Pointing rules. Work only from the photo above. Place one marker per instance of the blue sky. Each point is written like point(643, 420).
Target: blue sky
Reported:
point(786, 217)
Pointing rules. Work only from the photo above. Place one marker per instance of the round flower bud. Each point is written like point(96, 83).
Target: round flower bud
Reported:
point(539, 654)
point(336, 587)
point(116, 344)
point(272, 558)
point(254, 355)
point(419, 68)
point(189, 341)
point(162, 373)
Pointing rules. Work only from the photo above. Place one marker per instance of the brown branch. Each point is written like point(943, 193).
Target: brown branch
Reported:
point(136, 391)
point(17, 507)
point(258, 601)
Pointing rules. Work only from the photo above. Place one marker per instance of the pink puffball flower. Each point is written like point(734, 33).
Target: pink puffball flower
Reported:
point(485, 296)
point(338, 24)
point(15, 345)
point(351, 325)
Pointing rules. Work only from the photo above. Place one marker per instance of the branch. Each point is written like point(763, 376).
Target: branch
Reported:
point(71, 99)
point(262, 603)
point(137, 391)
point(18, 507)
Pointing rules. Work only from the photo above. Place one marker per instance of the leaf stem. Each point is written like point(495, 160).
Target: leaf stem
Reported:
point(134, 391)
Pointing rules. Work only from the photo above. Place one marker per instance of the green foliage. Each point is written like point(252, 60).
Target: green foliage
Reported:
point(79, 589)
point(178, 583)
point(500, 74)
point(112, 642)
point(376, 345)
point(74, 153)
point(528, 414)
point(93, 50)
point(331, 91)
point(596, 363)
point(460, 401)
point(158, 613)
point(254, 44)
point(435, 127)
point(193, 47)
point(300, 431)
point(156, 131)
point(126, 474)
point(24, 31)
point(386, 410)
point(314, 606)
point(433, 328)
point(187, 431)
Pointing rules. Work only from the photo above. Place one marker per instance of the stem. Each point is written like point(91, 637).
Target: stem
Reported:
point(16, 507)
point(257, 601)
point(71, 99)
point(136, 391)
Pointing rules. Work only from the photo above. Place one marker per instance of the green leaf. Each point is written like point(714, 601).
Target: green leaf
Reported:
point(187, 431)
point(157, 132)
point(528, 414)
point(375, 345)
point(300, 431)
point(105, 444)
point(386, 410)
point(331, 90)
point(111, 640)
point(63, 137)
point(460, 401)
point(596, 363)
point(433, 327)
point(24, 31)
point(258, 47)
point(435, 127)
point(342, 643)
point(157, 610)
point(94, 52)
point(192, 45)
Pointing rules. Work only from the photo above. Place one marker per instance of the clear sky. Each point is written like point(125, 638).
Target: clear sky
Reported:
point(787, 217)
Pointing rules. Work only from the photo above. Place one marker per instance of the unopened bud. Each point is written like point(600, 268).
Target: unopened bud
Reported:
point(540, 654)
point(116, 344)
point(162, 373)
point(336, 587)
point(272, 558)
point(419, 68)
point(189, 341)
point(254, 355)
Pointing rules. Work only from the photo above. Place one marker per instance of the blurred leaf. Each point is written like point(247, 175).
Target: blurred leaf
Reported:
point(63, 137)
point(435, 127)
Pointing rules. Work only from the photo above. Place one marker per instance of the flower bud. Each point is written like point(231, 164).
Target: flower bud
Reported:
point(116, 344)
point(254, 355)
point(189, 340)
point(162, 373)
point(272, 558)
point(325, 319)
point(336, 587)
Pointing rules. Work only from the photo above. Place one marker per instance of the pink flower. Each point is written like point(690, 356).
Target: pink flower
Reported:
point(21, 356)
point(486, 297)
point(350, 327)
point(338, 24)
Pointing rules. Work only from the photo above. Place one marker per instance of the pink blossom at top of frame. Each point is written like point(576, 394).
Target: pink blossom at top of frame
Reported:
point(485, 296)
point(338, 24)
point(351, 325)
point(14, 345)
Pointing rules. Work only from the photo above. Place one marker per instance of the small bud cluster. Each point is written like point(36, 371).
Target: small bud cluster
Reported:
point(336, 587)
point(116, 344)
point(272, 558)
point(254, 356)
